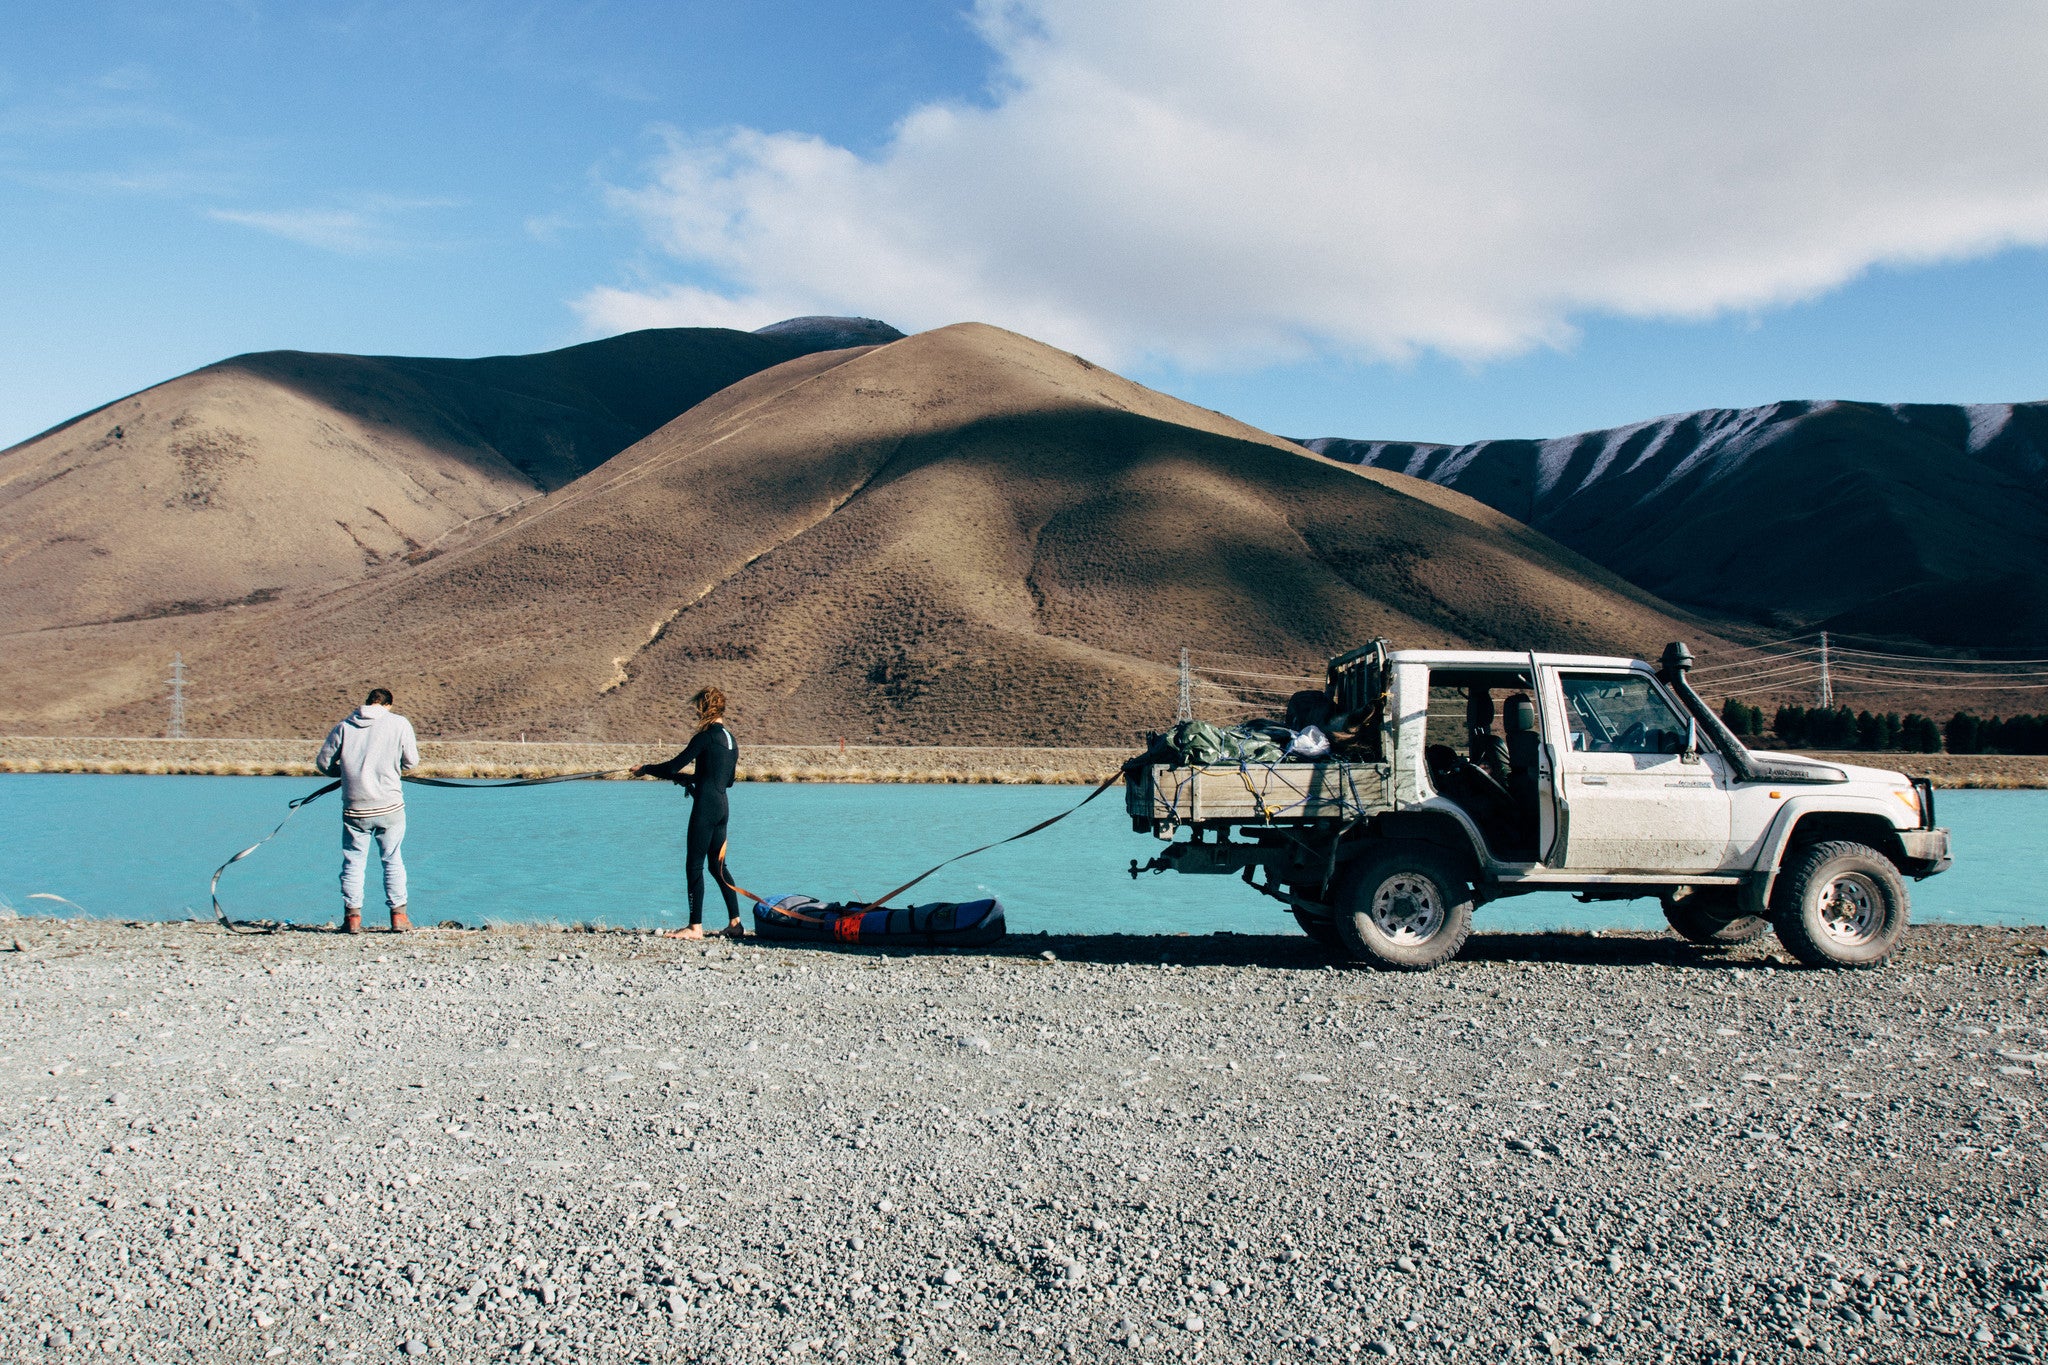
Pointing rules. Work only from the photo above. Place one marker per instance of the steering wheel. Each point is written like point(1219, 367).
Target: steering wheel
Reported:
point(1632, 738)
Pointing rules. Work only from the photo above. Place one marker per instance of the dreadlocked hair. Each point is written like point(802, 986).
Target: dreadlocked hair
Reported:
point(710, 704)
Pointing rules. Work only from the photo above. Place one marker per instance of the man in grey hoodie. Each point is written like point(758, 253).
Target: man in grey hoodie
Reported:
point(368, 752)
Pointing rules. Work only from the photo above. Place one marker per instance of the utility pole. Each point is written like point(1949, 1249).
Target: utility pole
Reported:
point(1827, 685)
point(176, 730)
point(1186, 710)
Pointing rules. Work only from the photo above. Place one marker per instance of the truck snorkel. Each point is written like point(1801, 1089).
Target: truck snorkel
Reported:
point(1748, 767)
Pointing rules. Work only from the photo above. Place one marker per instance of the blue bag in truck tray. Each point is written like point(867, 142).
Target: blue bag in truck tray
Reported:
point(945, 924)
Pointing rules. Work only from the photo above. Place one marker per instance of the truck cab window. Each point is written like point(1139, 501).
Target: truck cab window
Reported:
point(1619, 713)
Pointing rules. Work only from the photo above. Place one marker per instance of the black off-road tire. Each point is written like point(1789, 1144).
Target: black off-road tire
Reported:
point(1712, 917)
point(1320, 928)
point(1404, 907)
point(1840, 904)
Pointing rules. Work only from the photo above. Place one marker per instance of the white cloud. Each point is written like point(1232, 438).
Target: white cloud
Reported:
point(132, 76)
point(341, 230)
point(360, 231)
point(608, 310)
point(1218, 183)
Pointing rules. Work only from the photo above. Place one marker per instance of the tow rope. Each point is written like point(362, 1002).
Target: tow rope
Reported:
point(292, 808)
point(720, 871)
point(1107, 782)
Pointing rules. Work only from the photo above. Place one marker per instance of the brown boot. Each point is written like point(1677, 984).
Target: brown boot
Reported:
point(351, 920)
point(399, 923)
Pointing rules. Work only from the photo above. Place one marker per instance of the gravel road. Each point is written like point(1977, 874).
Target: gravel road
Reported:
point(600, 1147)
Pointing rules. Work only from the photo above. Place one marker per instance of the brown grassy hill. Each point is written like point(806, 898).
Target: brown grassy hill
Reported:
point(965, 536)
point(285, 469)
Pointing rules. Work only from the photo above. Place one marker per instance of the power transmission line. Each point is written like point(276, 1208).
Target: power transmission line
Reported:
point(1894, 685)
point(1272, 677)
point(176, 729)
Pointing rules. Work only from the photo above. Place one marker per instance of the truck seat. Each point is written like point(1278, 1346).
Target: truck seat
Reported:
point(1487, 750)
point(1520, 723)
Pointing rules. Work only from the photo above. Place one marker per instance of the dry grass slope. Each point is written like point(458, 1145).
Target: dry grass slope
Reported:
point(269, 473)
point(964, 537)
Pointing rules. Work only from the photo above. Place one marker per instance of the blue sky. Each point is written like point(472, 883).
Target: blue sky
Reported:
point(184, 182)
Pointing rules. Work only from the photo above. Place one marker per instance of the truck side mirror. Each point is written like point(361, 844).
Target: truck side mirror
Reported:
point(1692, 740)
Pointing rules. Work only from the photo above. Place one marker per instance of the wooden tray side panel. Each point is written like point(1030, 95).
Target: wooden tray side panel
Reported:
point(1280, 792)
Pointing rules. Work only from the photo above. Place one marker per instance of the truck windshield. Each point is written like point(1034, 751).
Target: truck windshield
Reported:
point(1617, 713)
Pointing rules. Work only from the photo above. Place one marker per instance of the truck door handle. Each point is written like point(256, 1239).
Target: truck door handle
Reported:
point(1594, 781)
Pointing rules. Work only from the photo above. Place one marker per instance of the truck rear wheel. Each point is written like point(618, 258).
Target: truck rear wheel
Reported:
point(1321, 928)
point(1405, 908)
point(1840, 904)
point(1713, 917)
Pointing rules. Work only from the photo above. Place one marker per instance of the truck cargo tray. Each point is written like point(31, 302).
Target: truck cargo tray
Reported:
point(1261, 792)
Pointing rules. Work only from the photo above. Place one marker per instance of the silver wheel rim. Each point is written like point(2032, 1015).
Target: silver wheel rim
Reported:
point(1850, 910)
point(1407, 909)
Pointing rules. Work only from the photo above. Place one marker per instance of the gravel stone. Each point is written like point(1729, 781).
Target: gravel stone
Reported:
point(341, 1149)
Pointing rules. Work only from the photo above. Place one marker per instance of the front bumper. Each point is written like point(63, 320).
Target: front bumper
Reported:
point(1927, 851)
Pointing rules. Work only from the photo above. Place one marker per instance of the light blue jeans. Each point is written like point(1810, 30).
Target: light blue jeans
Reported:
point(356, 833)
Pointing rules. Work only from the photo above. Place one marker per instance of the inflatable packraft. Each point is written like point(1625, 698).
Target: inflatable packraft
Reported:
point(948, 924)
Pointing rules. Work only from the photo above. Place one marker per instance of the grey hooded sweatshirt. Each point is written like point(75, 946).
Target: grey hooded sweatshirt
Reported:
point(367, 752)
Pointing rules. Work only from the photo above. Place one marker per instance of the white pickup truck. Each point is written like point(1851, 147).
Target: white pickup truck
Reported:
point(1459, 778)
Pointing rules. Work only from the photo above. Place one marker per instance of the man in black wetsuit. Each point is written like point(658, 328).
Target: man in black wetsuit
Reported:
point(714, 755)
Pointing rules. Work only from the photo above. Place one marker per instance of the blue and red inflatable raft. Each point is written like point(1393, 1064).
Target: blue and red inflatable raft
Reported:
point(945, 924)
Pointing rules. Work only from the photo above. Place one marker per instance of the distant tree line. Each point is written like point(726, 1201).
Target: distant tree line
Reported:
point(1969, 734)
point(1822, 727)
point(1742, 718)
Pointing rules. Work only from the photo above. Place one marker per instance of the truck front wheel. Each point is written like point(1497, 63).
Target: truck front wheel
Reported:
point(1320, 928)
point(1405, 908)
point(1714, 917)
point(1840, 904)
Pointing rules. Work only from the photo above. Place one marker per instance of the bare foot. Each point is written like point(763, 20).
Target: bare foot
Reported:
point(693, 931)
point(735, 930)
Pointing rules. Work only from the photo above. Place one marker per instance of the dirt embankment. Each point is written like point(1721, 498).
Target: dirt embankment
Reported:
point(767, 762)
point(481, 758)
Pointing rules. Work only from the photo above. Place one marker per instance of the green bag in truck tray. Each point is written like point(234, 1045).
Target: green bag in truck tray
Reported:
point(1202, 745)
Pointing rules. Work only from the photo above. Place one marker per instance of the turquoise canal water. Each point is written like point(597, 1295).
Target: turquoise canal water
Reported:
point(136, 847)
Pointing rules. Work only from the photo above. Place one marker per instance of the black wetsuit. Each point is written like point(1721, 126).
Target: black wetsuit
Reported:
point(716, 755)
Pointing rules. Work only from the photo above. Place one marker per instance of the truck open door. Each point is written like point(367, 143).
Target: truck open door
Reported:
point(1553, 814)
point(1641, 797)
